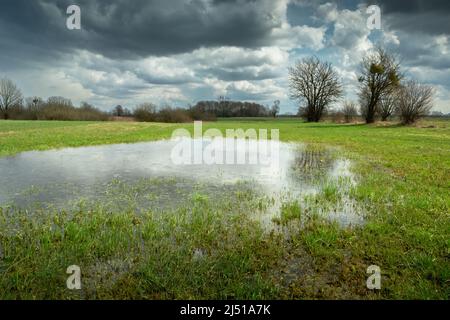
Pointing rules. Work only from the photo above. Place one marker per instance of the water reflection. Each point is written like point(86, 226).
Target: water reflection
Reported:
point(142, 175)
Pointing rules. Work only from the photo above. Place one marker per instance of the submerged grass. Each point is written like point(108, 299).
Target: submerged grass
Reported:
point(124, 255)
point(211, 249)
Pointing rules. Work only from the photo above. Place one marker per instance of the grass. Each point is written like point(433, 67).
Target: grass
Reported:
point(125, 256)
point(17, 136)
point(290, 211)
point(403, 185)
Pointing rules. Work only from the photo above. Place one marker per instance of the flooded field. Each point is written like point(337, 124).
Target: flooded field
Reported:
point(141, 225)
point(144, 176)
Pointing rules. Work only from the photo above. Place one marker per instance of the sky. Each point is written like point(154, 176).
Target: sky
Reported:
point(178, 52)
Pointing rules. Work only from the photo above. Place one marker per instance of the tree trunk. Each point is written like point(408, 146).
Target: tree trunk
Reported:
point(370, 119)
point(370, 116)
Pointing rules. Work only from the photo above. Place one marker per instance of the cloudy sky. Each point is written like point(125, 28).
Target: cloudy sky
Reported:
point(182, 51)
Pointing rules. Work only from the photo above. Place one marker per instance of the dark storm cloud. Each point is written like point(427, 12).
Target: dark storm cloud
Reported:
point(139, 28)
point(418, 24)
point(415, 6)
point(244, 74)
point(424, 16)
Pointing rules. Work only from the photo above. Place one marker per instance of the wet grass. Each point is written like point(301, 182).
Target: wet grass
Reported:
point(151, 255)
point(212, 249)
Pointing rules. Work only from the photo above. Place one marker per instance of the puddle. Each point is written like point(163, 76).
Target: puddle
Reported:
point(142, 176)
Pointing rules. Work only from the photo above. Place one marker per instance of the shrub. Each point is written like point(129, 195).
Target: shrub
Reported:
point(197, 113)
point(414, 101)
point(145, 112)
point(337, 116)
point(59, 108)
point(349, 111)
point(176, 115)
point(56, 108)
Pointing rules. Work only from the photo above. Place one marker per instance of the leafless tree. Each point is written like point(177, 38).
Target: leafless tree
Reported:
point(32, 106)
point(145, 112)
point(275, 108)
point(33, 102)
point(118, 111)
point(58, 101)
point(414, 101)
point(10, 96)
point(349, 111)
point(315, 84)
point(387, 105)
point(380, 75)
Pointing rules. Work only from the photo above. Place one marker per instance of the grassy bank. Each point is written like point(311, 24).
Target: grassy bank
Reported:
point(213, 250)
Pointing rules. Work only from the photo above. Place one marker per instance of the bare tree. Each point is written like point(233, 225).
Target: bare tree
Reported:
point(275, 108)
point(380, 75)
point(33, 105)
point(58, 101)
point(118, 111)
point(387, 105)
point(145, 112)
point(10, 96)
point(349, 111)
point(316, 85)
point(414, 101)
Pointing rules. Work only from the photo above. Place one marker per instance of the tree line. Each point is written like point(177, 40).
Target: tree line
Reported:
point(383, 90)
point(227, 108)
point(13, 106)
point(202, 110)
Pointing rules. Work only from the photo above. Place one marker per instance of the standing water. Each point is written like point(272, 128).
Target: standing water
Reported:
point(57, 178)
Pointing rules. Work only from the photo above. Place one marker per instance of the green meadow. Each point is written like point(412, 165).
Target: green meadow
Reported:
point(403, 185)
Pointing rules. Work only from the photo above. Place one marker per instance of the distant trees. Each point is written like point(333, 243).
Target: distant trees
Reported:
point(55, 108)
point(173, 115)
point(10, 96)
point(379, 76)
point(414, 101)
point(437, 114)
point(33, 102)
point(149, 112)
point(33, 106)
point(120, 111)
point(349, 111)
point(145, 112)
point(275, 109)
point(204, 110)
point(315, 84)
point(228, 108)
point(57, 101)
point(60, 108)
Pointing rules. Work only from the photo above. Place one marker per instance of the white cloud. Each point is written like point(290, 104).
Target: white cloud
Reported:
point(289, 37)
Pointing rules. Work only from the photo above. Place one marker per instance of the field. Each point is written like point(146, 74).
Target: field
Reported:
point(404, 183)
